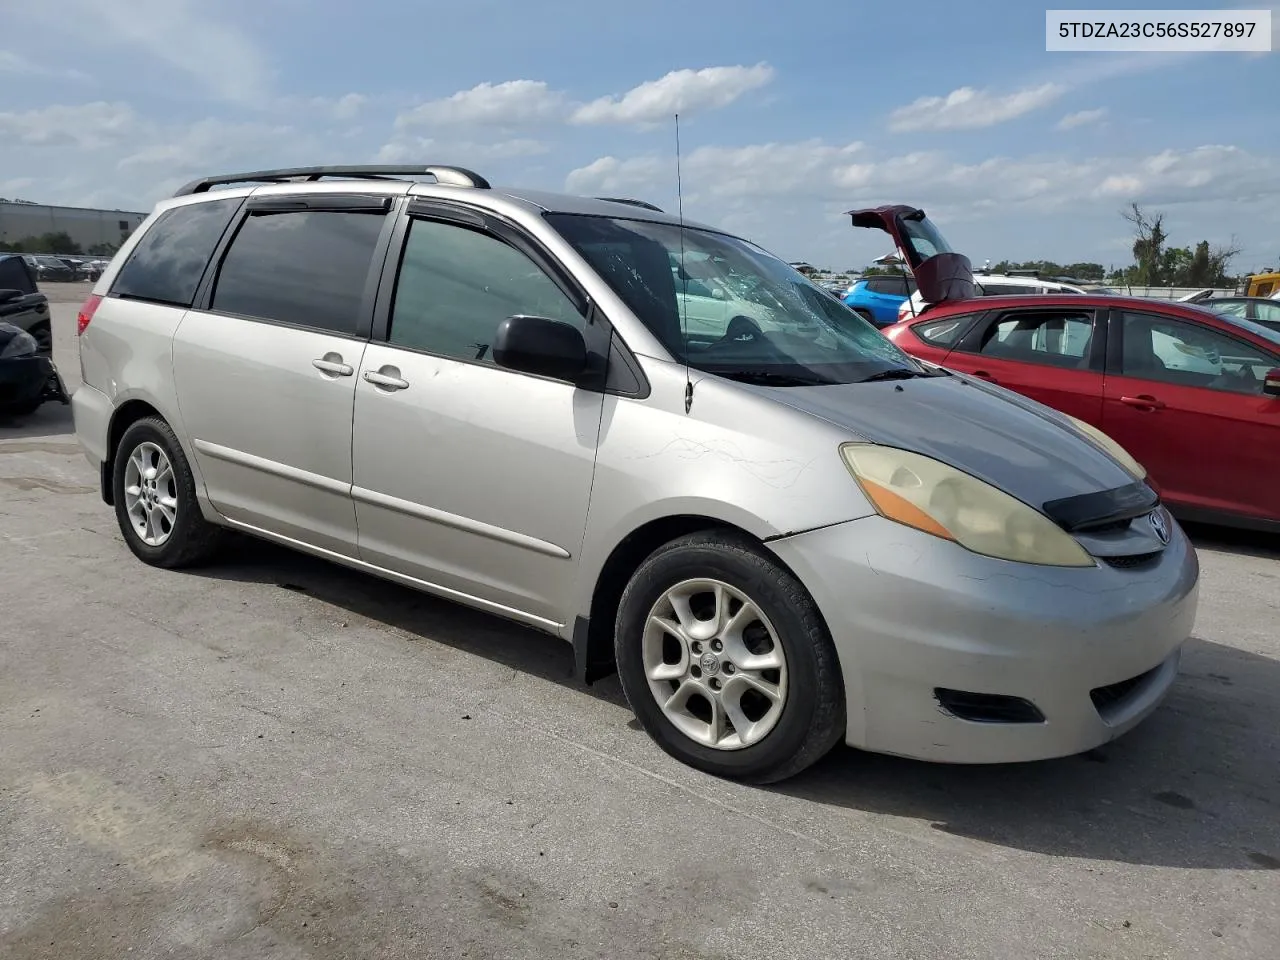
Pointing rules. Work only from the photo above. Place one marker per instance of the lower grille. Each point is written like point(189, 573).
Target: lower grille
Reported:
point(1115, 694)
point(1132, 561)
point(988, 707)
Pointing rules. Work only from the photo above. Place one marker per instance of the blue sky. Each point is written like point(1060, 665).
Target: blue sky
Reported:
point(790, 113)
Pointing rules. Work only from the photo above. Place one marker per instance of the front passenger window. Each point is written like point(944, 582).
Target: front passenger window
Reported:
point(457, 285)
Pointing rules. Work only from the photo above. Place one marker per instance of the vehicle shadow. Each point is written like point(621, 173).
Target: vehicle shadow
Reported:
point(49, 419)
point(1233, 540)
point(418, 615)
point(1197, 785)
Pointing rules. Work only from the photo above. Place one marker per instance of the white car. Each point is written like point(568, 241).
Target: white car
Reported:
point(995, 285)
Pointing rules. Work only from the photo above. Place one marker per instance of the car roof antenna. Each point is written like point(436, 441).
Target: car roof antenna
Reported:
point(682, 305)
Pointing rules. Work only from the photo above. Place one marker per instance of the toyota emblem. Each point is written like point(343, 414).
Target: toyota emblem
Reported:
point(1159, 525)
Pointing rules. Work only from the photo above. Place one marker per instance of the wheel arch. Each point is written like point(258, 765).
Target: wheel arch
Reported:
point(124, 416)
point(592, 635)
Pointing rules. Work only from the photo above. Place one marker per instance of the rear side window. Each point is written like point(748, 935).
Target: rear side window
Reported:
point(307, 268)
point(895, 286)
point(166, 265)
point(1056, 338)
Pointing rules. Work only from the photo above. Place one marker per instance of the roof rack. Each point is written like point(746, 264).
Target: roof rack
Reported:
point(634, 203)
point(451, 176)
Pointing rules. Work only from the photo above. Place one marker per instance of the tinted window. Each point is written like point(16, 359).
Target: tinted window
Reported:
point(456, 285)
point(1056, 337)
point(1231, 308)
point(1268, 313)
point(307, 268)
point(943, 333)
point(15, 275)
point(1188, 355)
point(1007, 290)
point(166, 265)
point(895, 286)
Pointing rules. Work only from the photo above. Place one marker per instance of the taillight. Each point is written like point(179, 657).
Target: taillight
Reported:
point(86, 313)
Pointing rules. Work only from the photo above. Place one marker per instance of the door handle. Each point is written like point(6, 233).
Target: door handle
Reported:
point(982, 374)
point(331, 363)
point(387, 377)
point(1144, 402)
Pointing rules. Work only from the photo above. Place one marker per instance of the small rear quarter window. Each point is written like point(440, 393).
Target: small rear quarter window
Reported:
point(945, 332)
point(167, 263)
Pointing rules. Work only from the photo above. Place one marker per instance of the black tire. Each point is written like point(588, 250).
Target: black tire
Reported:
point(866, 315)
point(43, 335)
point(813, 715)
point(192, 539)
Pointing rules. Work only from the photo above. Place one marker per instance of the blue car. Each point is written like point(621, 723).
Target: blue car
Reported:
point(877, 298)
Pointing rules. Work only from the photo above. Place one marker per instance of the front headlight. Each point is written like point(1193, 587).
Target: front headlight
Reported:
point(1109, 446)
point(21, 344)
point(931, 496)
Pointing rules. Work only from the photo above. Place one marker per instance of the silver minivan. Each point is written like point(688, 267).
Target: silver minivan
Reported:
point(781, 531)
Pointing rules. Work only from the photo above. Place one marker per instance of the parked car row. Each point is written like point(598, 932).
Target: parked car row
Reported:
point(59, 269)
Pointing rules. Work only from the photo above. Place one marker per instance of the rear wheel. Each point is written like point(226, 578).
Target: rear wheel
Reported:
point(155, 498)
point(726, 661)
point(865, 315)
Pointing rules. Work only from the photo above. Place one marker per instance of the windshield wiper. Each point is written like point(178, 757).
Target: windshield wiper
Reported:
point(768, 378)
point(897, 373)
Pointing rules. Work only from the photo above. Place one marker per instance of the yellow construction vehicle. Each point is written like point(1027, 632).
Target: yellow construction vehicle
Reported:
point(1262, 285)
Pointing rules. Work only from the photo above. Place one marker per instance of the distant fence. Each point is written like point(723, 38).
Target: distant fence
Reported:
point(1166, 293)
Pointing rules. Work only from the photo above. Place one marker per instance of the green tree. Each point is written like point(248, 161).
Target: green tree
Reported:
point(1148, 245)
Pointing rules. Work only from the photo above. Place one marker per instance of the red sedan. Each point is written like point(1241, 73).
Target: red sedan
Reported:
point(1192, 395)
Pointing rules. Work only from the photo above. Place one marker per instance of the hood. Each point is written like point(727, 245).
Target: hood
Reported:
point(940, 273)
point(1012, 443)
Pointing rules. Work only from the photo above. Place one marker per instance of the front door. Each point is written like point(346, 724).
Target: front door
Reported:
point(1186, 401)
point(1052, 355)
point(469, 476)
point(266, 375)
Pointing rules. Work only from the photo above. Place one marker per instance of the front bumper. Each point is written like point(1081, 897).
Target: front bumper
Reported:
point(1093, 649)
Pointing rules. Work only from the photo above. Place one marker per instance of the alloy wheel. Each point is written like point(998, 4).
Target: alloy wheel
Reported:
point(714, 664)
point(150, 494)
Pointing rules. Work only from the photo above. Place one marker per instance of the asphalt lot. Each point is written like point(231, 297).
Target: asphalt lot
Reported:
point(277, 758)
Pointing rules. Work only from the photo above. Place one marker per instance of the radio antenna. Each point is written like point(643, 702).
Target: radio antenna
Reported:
point(684, 279)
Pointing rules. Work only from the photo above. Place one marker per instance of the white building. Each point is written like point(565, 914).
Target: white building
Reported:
point(85, 226)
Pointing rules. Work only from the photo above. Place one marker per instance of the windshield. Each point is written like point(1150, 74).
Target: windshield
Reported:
point(727, 307)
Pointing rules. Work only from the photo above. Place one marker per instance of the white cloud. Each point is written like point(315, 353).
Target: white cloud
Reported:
point(1081, 118)
point(82, 125)
point(509, 104)
point(349, 106)
point(809, 175)
point(187, 35)
point(524, 103)
point(966, 108)
point(680, 91)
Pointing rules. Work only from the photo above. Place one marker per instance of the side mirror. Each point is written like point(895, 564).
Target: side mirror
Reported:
point(1271, 383)
point(547, 348)
point(719, 293)
point(7, 295)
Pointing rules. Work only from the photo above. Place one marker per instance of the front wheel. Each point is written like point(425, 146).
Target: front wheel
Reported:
point(726, 661)
point(155, 498)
